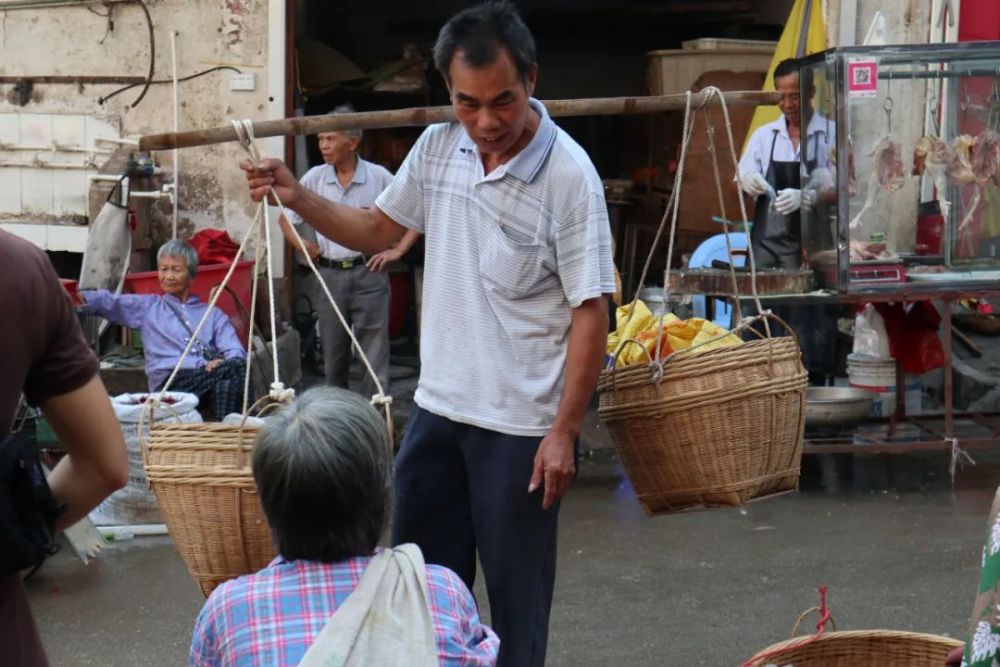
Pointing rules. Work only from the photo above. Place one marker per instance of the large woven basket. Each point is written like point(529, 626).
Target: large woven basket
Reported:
point(206, 492)
point(715, 429)
point(884, 648)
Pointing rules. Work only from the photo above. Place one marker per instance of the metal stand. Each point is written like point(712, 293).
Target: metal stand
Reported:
point(901, 433)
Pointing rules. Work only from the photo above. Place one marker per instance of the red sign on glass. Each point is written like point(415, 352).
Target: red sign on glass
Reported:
point(862, 77)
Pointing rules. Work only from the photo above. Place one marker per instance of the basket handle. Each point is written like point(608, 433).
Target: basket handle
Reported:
point(802, 617)
point(824, 618)
point(150, 404)
point(625, 343)
point(263, 405)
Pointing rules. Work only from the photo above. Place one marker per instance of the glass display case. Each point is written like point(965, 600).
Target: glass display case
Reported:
point(902, 190)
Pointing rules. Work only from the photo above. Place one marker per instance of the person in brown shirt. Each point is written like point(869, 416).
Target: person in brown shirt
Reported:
point(45, 358)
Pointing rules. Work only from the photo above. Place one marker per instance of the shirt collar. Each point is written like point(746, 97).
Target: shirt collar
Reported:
point(192, 299)
point(526, 164)
point(817, 124)
point(360, 174)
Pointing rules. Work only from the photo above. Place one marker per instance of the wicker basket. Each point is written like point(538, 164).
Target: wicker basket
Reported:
point(884, 648)
point(206, 492)
point(716, 429)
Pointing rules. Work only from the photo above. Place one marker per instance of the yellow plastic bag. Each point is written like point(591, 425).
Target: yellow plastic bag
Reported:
point(641, 320)
point(677, 335)
point(710, 331)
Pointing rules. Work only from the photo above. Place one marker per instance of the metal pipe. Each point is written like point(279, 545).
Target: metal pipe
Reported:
point(939, 73)
point(949, 389)
point(366, 120)
point(120, 142)
point(45, 4)
point(74, 79)
point(48, 165)
point(54, 148)
point(150, 194)
point(176, 152)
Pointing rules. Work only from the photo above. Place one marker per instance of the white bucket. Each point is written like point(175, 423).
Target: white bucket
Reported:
point(879, 377)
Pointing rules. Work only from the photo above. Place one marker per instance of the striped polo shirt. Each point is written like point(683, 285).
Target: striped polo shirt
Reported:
point(369, 180)
point(509, 254)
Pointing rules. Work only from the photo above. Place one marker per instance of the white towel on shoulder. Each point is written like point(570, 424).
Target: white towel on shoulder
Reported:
point(385, 621)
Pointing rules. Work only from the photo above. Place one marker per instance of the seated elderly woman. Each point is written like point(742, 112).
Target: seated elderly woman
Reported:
point(323, 468)
point(214, 368)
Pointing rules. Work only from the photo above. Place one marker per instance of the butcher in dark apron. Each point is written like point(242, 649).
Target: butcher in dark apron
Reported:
point(777, 244)
point(777, 237)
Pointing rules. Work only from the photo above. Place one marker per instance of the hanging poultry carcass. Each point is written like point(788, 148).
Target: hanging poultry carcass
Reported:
point(986, 156)
point(932, 156)
point(887, 175)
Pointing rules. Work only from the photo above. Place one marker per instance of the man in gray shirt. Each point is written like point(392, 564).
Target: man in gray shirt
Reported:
point(360, 289)
point(516, 271)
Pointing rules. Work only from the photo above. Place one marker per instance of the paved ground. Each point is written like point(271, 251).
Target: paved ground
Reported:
point(897, 545)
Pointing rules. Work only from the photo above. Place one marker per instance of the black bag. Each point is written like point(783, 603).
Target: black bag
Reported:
point(208, 352)
point(28, 510)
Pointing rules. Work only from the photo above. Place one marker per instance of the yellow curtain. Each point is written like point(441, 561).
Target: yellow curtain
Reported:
point(793, 44)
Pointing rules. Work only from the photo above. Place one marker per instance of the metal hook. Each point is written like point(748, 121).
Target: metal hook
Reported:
point(933, 109)
point(887, 106)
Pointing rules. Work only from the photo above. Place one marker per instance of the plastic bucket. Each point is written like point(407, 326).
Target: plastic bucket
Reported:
point(879, 377)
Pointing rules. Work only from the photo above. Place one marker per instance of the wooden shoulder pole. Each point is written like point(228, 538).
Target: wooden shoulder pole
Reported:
point(368, 120)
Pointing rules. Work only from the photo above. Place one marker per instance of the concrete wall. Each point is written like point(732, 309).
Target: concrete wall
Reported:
point(76, 41)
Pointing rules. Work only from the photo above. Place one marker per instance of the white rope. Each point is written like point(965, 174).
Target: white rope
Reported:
point(743, 206)
point(253, 310)
point(244, 131)
point(672, 210)
point(678, 180)
point(957, 456)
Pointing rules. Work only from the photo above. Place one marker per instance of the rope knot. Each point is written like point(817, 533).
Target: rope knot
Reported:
point(280, 393)
point(245, 136)
point(381, 399)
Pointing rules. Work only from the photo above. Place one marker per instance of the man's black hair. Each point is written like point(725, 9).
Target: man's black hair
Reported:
point(784, 68)
point(480, 32)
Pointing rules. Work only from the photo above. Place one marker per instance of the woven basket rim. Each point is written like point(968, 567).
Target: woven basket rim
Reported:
point(848, 635)
point(701, 357)
point(202, 426)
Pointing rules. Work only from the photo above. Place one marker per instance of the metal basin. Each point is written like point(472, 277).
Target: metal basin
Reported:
point(837, 406)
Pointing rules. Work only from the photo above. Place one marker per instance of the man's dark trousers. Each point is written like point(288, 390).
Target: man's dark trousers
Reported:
point(458, 488)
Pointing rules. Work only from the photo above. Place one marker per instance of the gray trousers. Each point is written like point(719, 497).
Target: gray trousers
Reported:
point(363, 299)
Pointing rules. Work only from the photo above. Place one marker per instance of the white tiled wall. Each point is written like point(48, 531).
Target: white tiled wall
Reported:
point(49, 191)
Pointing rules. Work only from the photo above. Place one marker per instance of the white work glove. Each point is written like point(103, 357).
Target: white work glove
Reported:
point(754, 184)
point(808, 199)
point(821, 178)
point(789, 201)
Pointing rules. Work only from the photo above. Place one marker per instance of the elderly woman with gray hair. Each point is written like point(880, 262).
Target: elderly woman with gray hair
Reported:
point(214, 368)
point(323, 468)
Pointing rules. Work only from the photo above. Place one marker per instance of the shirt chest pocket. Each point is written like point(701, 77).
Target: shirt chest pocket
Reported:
point(512, 267)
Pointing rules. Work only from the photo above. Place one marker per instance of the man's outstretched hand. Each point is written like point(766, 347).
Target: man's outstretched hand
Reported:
point(271, 173)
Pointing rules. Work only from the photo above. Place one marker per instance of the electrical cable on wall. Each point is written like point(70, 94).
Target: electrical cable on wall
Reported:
point(152, 54)
point(108, 15)
point(102, 100)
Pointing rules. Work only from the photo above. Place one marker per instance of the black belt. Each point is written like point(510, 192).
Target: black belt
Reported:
point(340, 263)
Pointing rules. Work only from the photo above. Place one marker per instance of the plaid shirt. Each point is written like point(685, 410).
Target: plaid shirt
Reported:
point(272, 617)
